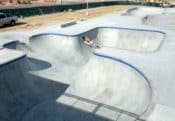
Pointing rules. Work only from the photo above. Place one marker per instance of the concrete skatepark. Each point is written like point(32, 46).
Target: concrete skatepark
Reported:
point(49, 74)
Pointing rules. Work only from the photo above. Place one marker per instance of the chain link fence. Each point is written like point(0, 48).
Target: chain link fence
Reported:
point(30, 10)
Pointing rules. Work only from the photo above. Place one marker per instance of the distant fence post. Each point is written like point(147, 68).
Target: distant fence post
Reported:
point(87, 7)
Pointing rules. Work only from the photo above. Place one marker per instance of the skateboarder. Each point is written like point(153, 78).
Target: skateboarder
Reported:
point(89, 42)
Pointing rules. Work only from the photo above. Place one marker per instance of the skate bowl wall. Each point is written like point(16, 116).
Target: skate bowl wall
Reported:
point(139, 40)
point(63, 48)
point(130, 39)
point(93, 66)
point(24, 93)
point(66, 47)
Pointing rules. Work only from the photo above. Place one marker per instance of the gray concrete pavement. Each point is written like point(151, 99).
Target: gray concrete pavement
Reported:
point(63, 79)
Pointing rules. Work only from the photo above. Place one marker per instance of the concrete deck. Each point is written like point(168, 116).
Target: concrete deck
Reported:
point(131, 77)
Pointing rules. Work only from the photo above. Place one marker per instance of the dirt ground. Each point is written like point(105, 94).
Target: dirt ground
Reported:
point(35, 22)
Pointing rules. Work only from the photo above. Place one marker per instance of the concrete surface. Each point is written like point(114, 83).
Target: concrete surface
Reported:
point(162, 113)
point(63, 79)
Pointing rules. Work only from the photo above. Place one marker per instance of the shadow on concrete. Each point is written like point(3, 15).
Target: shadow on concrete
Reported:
point(9, 26)
point(21, 91)
point(33, 98)
point(39, 64)
point(54, 111)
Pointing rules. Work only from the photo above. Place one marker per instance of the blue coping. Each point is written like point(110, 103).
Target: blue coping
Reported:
point(75, 35)
point(100, 55)
point(123, 62)
point(12, 61)
point(135, 29)
point(9, 43)
point(106, 56)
